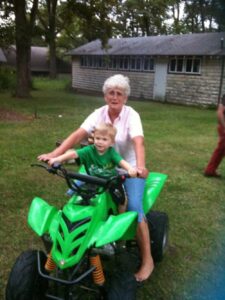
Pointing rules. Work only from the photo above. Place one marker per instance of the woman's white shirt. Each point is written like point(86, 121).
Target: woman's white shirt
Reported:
point(128, 125)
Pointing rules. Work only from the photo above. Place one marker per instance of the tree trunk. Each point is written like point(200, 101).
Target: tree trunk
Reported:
point(24, 29)
point(52, 59)
point(52, 5)
point(22, 50)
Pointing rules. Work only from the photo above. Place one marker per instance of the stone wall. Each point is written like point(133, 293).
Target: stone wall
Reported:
point(85, 79)
point(181, 88)
point(195, 89)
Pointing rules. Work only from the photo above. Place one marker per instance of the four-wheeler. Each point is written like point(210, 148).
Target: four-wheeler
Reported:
point(90, 249)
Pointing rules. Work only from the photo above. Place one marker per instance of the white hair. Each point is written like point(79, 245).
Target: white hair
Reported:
point(117, 81)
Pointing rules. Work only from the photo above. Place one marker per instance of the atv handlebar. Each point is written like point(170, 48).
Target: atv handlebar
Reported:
point(59, 170)
point(87, 178)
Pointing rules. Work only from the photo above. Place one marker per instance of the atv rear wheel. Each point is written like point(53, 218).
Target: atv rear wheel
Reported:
point(123, 286)
point(24, 281)
point(158, 223)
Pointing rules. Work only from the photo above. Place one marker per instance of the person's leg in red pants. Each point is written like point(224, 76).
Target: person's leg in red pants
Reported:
point(217, 155)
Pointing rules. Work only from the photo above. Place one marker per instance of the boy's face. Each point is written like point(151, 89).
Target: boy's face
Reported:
point(102, 142)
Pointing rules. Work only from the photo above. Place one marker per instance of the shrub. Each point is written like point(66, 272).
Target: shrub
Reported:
point(7, 78)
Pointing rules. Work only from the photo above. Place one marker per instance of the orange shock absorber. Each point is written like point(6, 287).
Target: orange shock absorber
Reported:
point(98, 274)
point(49, 265)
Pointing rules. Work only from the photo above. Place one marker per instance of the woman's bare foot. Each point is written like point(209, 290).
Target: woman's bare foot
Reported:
point(145, 271)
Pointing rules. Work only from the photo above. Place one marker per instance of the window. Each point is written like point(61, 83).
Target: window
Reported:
point(124, 63)
point(179, 65)
point(189, 65)
point(196, 65)
point(118, 62)
point(172, 65)
point(113, 62)
point(84, 61)
point(136, 63)
point(148, 63)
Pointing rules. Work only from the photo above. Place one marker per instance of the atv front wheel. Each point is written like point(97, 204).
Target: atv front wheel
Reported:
point(158, 223)
point(123, 286)
point(24, 281)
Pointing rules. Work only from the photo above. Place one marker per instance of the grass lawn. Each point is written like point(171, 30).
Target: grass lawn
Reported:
point(179, 142)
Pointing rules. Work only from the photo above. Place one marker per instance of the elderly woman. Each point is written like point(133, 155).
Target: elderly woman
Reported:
point(129, 143)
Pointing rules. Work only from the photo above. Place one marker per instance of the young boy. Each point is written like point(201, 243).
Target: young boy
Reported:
point(99, 159)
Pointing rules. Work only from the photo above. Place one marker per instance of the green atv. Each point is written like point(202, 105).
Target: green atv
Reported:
point(90, 249)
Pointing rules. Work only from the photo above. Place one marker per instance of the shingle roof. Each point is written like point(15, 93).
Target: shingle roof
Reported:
point(185, 44)
point(2, 56)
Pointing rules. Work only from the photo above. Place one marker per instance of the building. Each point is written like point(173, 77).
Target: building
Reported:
point(186, 69)
point(39, 60)
point(2, 57)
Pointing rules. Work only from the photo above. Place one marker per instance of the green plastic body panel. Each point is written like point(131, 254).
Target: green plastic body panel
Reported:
point(114, 228)
point(76, 228)
point(69, 247)
point(153, 186)
point(40, 215)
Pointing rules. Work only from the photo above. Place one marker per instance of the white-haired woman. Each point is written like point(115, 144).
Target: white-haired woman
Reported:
point(129, 143)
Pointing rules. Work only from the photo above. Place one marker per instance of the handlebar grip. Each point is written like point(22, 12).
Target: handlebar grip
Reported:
point(56, 165)
point(88, 178)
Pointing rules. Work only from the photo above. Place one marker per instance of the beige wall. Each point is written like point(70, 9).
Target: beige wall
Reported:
point(194, 89)
point(188, 89)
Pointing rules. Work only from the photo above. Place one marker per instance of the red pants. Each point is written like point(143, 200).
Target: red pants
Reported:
point(218, 153)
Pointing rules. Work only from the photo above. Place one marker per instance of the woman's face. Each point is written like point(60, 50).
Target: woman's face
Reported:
point(115, 98)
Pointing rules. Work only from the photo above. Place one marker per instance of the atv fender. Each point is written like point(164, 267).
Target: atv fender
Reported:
point(40, 215)
point(116, 227)
point(153, 187)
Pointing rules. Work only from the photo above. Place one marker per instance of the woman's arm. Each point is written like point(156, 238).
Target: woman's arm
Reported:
point(70, 154)
point(73, 139)
point(139, 148)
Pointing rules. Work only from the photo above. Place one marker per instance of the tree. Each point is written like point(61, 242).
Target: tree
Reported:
point(47, 16)
point(200, 15)
point(51, 7)
point(24, 29)
point(140, 17)
point(175, 10)
point(95, 18)
point(24, 16)
point(219, 9)
point(58, 20)
point(7, 29)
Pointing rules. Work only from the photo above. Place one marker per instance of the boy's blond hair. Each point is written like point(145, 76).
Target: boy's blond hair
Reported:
point(106, 129)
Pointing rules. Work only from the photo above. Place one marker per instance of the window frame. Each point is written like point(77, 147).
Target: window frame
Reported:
point(129, 63)
point(179, 64)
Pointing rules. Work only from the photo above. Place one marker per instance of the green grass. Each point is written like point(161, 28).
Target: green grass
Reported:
point(179, 141)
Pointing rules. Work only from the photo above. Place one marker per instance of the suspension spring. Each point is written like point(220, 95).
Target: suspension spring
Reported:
point(49, 265)
point(98, 274)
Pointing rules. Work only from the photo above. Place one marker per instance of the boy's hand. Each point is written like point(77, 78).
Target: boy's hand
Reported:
point(133, 172)
point(51, 161)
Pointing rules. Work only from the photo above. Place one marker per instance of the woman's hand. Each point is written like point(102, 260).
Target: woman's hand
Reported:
point(45, 157)
point(132, 172)
point(142, 172)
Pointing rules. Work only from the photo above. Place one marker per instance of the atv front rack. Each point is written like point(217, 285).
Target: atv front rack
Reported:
point(63, 281)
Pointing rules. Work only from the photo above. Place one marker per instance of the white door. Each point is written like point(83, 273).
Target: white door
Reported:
point(160, 80)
